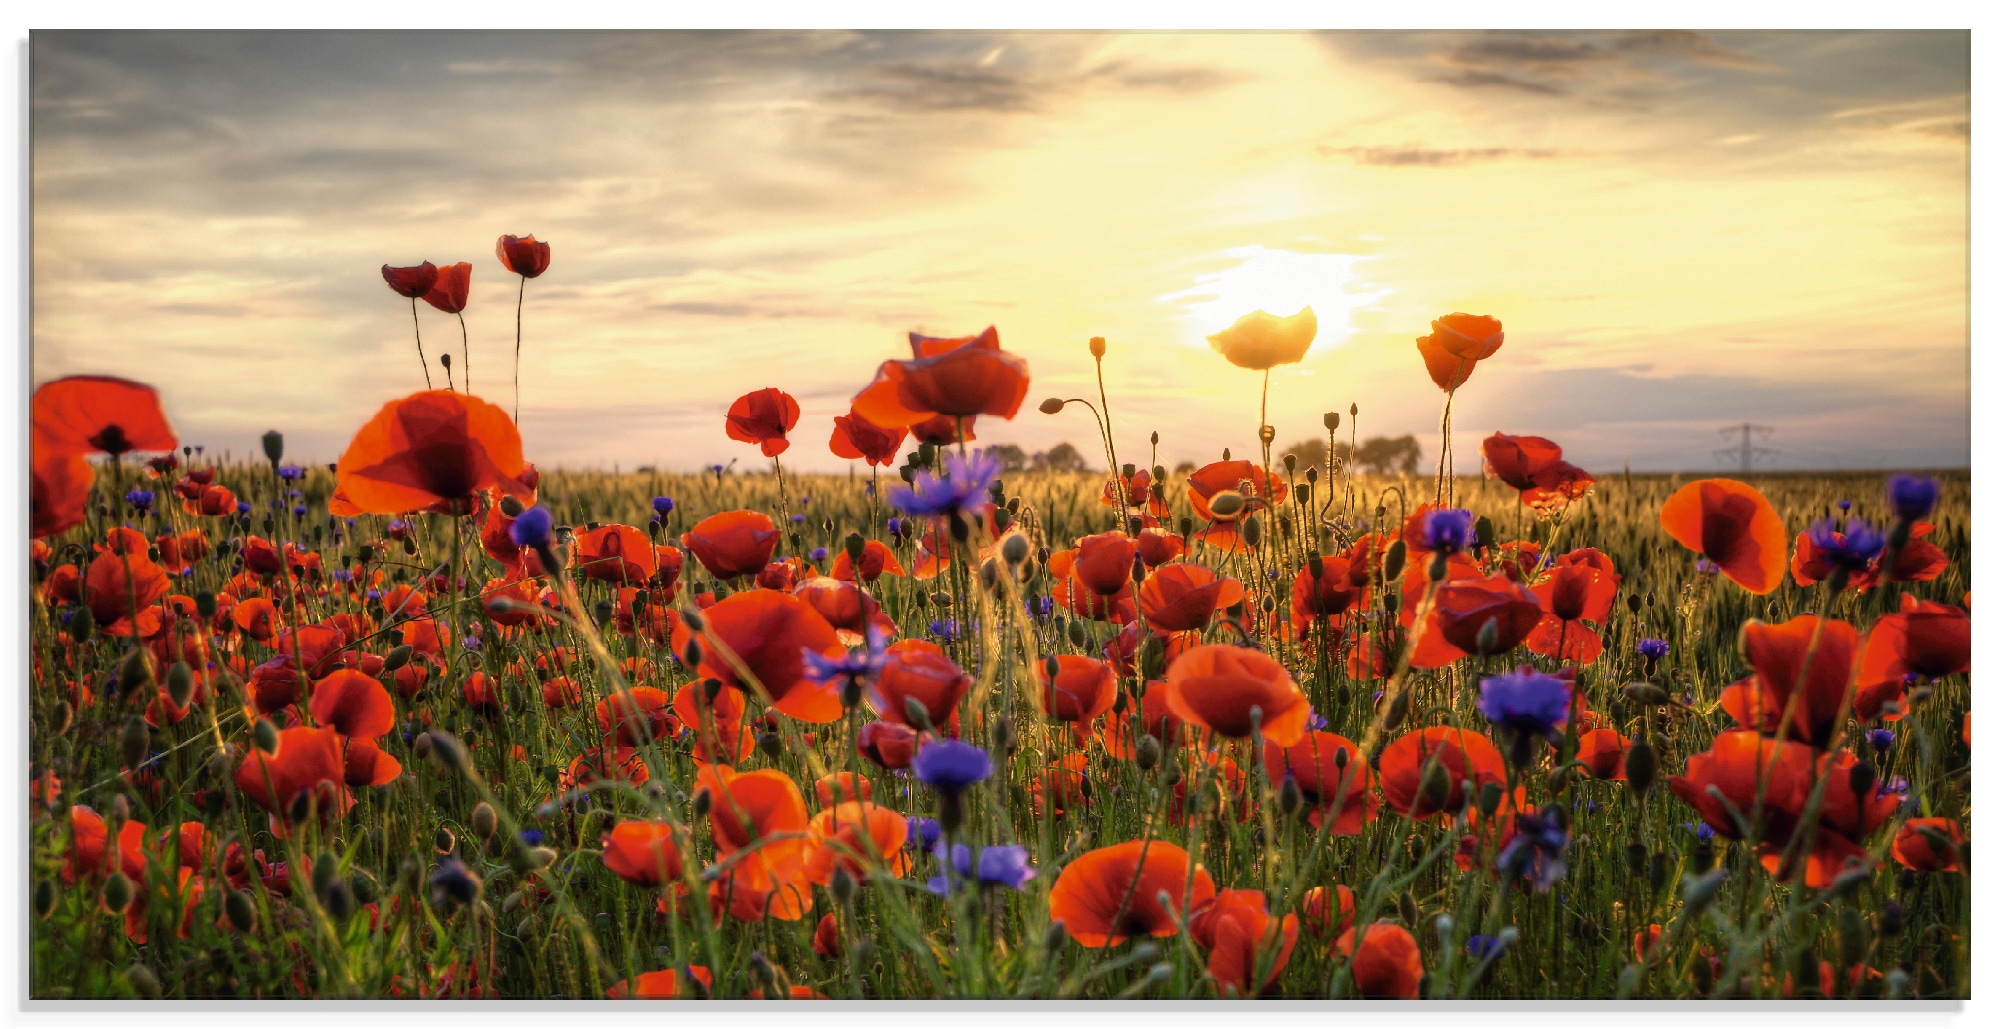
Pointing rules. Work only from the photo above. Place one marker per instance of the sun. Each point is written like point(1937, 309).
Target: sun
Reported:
point(1278, 282)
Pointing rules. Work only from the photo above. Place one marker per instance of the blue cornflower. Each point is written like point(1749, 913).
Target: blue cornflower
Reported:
point(1704, 832)
point(1652, 649)
point(1912, 496)
point(298, 511)
point(945, 629)
point(960, 492)
point(952, 767)
point(288, 472)
point(1536, 851)
point(342, 575)
point(855, 670)
point(1880, 739)
point(1479, 947)
point(1314, 720)
point(471, 642)
point(895, 527)
point(798, 519)
point(663, 506)
point(531, 528)
point(141, 499)
point(453, 884)
point(924, 833)
point(1850, 548)
point(997, 866)
point(1526, 701)
point(1844, 505)
point(1703, 566)
point(1448, 530)
point(1044, 606)
point(529, 837)
point(817, 555)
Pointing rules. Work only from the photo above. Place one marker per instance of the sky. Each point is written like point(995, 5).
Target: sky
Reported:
point(1681, 231)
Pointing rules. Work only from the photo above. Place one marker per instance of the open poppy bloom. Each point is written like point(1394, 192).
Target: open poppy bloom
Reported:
point(1083, 688)
point(1925, 639)
point(353, 704)
point(887, 744)
point(1387, 965)
point(720, 735)
point(523, 255)
point(917, 670)
point(855, 437)
point(1457, 343)
point(90, 841)
point(1581, 587)
point(643, 853)
point(1929, 845)
point(1733, 526)
point(949, 378)
point(1535, 466)
point(768, 880)
point(367, 764)
point(1237, 930)
point(763, 632)
point(97, 414)
point(877, 560)
point(1111, 894)
point(732, 544)
point(616, 553)
point(1918, 560)
point(1461, 608)
point(637, 716)
point(665, 984)
point(1083, 600)
point(1215, 477)
point(1236, 691)
point(436, 450)
point(1184, 597)
point(1261, 341)
point(763, 417)
point(411, 281)
point(58, 494)
point(1734, 766)
point(120, 590)
point(845, 606)
point(449, 292)
point(1327, 912)
point(856, 836)
point(1410, 786)
point(1778, 655)
point(1103, 562)
point(1603, 753)
point(1333, 776)
point(308, 761)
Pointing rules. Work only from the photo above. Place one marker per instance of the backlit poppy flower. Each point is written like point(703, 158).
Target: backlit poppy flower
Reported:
point(1083, 688)
point(1929, 845)
point(732, 544)
point(97, 414)
point(411, 281)
point(1735, 765)
point(436, 450)
point(845, 606)
point(1925, 639)
point(1261, 341)
point(754, 807)
point(1457, 343)
point(855, 437)
point(1111, 894)
point(353, 704)
point(762, 632)
point(1213, 478)
point(1237, 930)
point(855, 837)
point(953, 378)
point(1135, 491)
point(1777, 654)
point(1411, 787)
point(89, 841)
point(1154, 717)
point(616, 553)
point(58, 493)
point(763, 417)
point(561, 693)
point(917, 670)
point(1918, 560)
point(842, 788)
point(1535, 466)
point(1184, 597)
point(1603, 753)
point(1158, 546)
point(887, 744)
point(1332, 776)
point(1236, 691)
point(605, 765)
point(1327, 913)
point(1061, 786)
point(642, 853)
point(449, 292)
point(119, 590)
point(523, 255)
point(1733, 526)
point(665, 984)
point(1582, 585)
point(1103, 562)
point(1387, 965)
point(1461, 609)
point(637, 716)
point(944, 431)
point(877, 560)
point(1324, 596)
point(720, 734)
point(306, 758)
point(1080, 599)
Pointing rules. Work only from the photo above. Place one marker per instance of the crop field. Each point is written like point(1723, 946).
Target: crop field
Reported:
point(435, 723)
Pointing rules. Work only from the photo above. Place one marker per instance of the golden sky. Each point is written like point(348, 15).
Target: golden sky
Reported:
point(1679, 230)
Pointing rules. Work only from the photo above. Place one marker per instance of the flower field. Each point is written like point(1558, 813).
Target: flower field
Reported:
point(432, 722)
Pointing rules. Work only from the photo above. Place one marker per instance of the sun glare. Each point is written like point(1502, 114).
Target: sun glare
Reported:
point(1278, 282)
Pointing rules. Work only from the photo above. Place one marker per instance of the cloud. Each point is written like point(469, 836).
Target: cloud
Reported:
point(1481, 79)
point(1426, 157)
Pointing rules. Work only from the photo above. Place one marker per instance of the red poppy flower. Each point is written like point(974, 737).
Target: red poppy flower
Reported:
point(120, 589)
point(1327, 912)
point(1324, 596)
point(411, 281)
point(943, 431)
point(952, 378)
point(523, 255)
point(1060, 787)
point(616, 553)
point(1929, 845)
point(1261, 341)
point(1461, 755)
point(856, 837)
point(1387, 965)
point(604, 764)
point(1235, 690)
point(353, 704)
point(842, 788)
point(887, 744)
point(732, 544)
point(1462, 608)
point(1082, 600)
point(58, 494)
point(448, 293)
point(665, 984)
point(1733, 526)
point(845, 606)
point(1457, 343)
point(1158, 546)
point(855, 437)
point(639, 715)
point(436, 450)
point(763, 417)
point(1737, 762)
point(1581, 586)
point(1184, 597)
point(717, 724)
point(1925, 639)
point(97, 414)
point(1333, 777)
point(1208, 480)
point(643, 853)
point(1237, 930)
point(1103, 562)
point(306, 758)
point(1111, 894)
point(765, 631)
point(90, 839)
point(1083, 688)
point(877, 560)
point(1603, 752)
point(1535, 466)
point(746, 808)
point(368, 764)
point(920, 671)
point(1778, 653)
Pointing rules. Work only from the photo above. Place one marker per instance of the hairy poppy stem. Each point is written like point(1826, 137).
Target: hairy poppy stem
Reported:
point(421, 359)
point(519, 299)
point(465, 350)
point(1111, 448)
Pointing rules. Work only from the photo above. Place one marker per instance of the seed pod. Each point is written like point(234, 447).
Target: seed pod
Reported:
point(241, 910)
point(143, 981)
point(1147, 753)
point(180, 683)
point(396, 658)
point(117, 893)
point(1054, 938)
point(1406, 906)
point(1253, 531)
point(366, 889)
point(1392, 561)
point(1642, 763)
point(134, 741)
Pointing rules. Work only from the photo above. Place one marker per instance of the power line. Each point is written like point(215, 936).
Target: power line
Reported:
point(1746, 452)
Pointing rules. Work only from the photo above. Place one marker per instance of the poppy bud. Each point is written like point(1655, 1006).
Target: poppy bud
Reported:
point(445, 750)
point(1398, 709)
point(117, 893)
point(842, 886)
point(45, 897)
point(1015, 550)
point(1392, 561)
point(693, 655)
point(1645, 694)
point(143, 981)
point(133, 672)
point(134, 741)
point(1698, 892)
point(340, 901)
point(941, 598)
point(1290, 799)
point(485, 820)
point(1003, 735)
point(274, 445)
point(1853, 937)
point(1078, 635)
point(421, 746)
point(1253, 531)
point(180, 683)
point(1861, 778)
point(601, 612)
point(80, 625)
point(1406, 906)
point(1055, 937)
point(1436, 784)
point(1170, 773)
point(1226, 504)
point(1889, 920)
point(918, 715)
point(241, 910)
point(1051, 405)
point(366, 889)
point(1097, 346)
point(1642, 763)
point(1186, 525)
point(1146, 754)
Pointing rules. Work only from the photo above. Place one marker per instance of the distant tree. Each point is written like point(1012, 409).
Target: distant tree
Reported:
point(1312, 454)
point(1012, 458)
point(1061, 458)
point(1384, 455)
point(1184, 468)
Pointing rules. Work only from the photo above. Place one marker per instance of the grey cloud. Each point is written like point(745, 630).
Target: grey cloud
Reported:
point(1495, 80)
point(1428, 157)
point(1691, 46)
